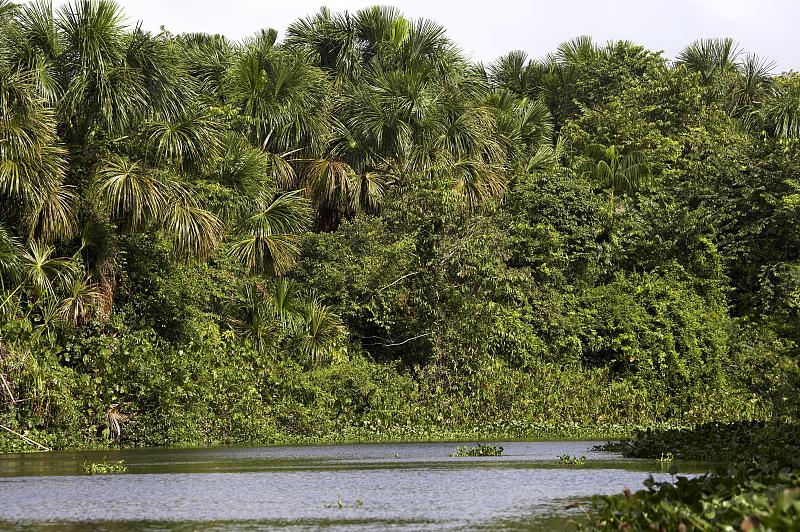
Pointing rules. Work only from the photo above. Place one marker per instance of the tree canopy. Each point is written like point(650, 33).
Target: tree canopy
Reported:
point(360, 192)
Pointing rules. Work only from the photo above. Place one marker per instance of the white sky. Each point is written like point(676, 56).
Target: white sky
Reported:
point(486, 29)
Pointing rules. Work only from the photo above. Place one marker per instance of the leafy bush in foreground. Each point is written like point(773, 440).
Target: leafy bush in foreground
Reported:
point(758, 488)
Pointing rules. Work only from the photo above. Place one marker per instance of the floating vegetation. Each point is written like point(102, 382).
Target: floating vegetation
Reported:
point(666, 458)
point(572, 460)
point(104, 467)
point(478, 450)
point(341, 504)
point(756, 487)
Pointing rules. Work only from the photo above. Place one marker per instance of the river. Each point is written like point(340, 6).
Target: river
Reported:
point(403, 486)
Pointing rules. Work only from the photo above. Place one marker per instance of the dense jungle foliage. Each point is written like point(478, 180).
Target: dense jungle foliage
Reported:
point(756, 487)
point(356, 232)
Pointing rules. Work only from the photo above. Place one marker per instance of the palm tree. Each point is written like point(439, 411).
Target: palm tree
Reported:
point(129, 196)
point(332, 42)
point(131, 193)
point(158, 63)
point(370, 190)
point(189, 142)
point(129, 104)
point(749, 87)
point(347, 44)
point(7, 10)
point(206, 59)
point(552, 80)
point(43, 273)
point(711, 58)
point(741, 83)
point(617, 173)
point(10, 259)
point(267, 239)
point(287, 303)
point(405, 124)
point(380, 27)
point(32, 45)
point(264, 312)
point(32, 163)
point(282, 95)
point(514, 72)
point(196, 233)
point(54, 217)
point(267, 313)
point(250, 316)
point(780, 112)
point(80, 301)
point(322, 332)
point(524, 128)
point(476, 183)
point(99, 250)
point(333, 187)
point(243, 167)
point(100, 90)
point(248, 170)
point(32, 160)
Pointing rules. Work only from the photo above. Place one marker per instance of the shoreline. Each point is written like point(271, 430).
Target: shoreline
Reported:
point(545, 433)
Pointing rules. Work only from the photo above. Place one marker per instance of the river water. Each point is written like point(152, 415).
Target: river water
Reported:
point(405, 486)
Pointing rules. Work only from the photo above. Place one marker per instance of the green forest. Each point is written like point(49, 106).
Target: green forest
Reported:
point(354, 232)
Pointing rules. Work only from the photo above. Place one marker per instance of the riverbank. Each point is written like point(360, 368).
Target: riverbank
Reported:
point(512, 431)
point(757, 488)
point(131, 388)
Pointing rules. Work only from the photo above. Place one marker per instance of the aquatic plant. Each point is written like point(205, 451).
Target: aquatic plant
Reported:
point(478, 450)
point(667, 458)
point(572, 460)
point(758, 487)
point(713, 442)
point(342, 504)
point(104, 467)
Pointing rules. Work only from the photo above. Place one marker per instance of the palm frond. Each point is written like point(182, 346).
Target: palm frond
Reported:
point(190, 142)
point(605, 175)
point(81, 300)
point(268, 240)
point(130, 193)
point(10, 258)
point(242, 167)
point(169, 87)
point(195, 232)
point(286, 301)
point(322, 333)
point(330, 183)
point(43, 273)
point(780, 112)
point(283, 97)
point(32, 161)
point(54, 216)
point(513, 72)
point(581, 49)
point(476, 182)
point(250, 316)
point(710, 57)
point(371, 189)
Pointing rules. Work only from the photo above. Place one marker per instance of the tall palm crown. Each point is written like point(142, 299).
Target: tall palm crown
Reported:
point(70, 81)
point(408, 107)
point(744, 85)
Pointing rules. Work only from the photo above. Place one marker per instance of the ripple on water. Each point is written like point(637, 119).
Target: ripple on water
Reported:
point(399, 486)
